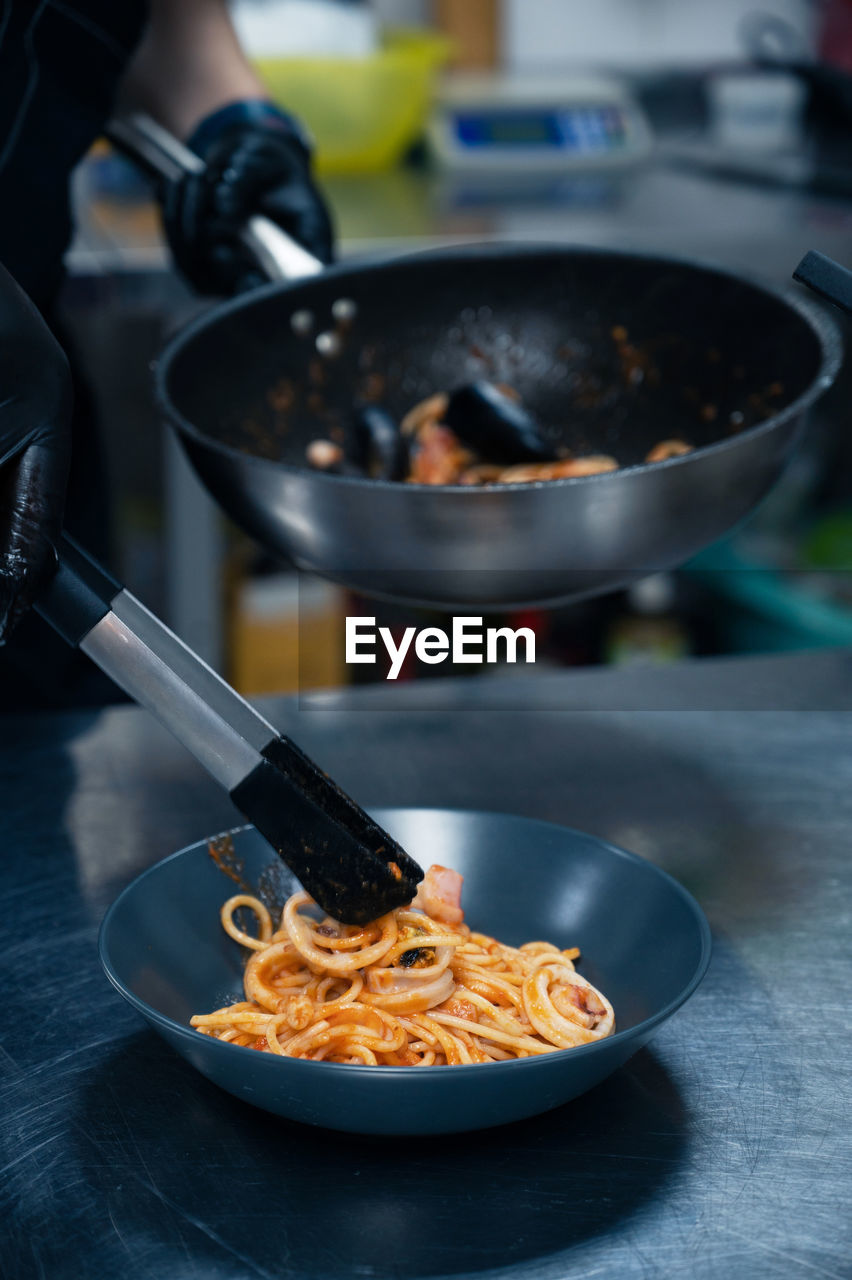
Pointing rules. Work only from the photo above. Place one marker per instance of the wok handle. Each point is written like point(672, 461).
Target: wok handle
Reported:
point(161, 155)
point(93, 612)
point(826, 278)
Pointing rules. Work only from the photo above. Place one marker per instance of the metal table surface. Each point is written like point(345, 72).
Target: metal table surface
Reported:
point(723, 1150)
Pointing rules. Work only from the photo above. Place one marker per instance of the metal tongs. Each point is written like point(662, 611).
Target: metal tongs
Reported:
point(345, 861)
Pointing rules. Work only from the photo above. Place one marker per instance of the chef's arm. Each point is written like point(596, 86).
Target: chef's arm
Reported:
point(188, 65)
point(191, 74)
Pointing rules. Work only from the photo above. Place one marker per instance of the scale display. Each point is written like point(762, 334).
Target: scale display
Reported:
point(582, 130)
point(497, 124)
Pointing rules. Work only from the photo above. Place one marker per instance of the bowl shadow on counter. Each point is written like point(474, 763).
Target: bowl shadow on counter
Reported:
point(231, 1181)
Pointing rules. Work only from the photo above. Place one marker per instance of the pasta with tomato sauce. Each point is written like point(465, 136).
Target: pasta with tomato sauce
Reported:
point(417, 987)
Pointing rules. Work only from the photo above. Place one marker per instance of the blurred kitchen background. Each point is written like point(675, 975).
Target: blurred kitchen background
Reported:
point(721, 131)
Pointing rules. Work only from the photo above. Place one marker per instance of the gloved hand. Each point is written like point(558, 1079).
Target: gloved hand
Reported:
point(258, 161)
point(35, 449)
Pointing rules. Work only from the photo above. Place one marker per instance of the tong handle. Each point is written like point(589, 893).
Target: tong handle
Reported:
point(159, 154)
point(94, 613)
point(348, 864)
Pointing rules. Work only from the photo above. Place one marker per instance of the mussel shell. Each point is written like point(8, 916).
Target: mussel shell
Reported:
point(375, 444)
point(497, 427)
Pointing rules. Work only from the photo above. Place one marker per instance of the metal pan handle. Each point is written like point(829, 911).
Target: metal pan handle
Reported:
point(161, 155)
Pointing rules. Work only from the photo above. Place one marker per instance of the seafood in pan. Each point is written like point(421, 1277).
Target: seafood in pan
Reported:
point(479, 434)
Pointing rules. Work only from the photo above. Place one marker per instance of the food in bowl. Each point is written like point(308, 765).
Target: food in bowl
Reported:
point(417, 987)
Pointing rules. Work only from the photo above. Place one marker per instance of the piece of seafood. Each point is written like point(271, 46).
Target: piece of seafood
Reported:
point(437, 456)
point(665, 449)
point(376, 444)
point(432, 409)
point(495, 425)
point(565, 469)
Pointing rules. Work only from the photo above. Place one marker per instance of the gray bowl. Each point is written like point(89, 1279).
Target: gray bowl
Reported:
point(644, 939)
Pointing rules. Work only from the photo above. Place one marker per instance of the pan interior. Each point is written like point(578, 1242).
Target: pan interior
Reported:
point(611, 352)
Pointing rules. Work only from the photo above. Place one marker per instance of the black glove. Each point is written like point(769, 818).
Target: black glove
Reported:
point(35, 440)
point(258, 161)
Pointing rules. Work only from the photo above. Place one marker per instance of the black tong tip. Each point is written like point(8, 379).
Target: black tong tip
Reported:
point(349, 865)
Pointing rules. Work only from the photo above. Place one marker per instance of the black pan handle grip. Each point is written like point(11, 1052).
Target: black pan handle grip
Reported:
point(826, 278)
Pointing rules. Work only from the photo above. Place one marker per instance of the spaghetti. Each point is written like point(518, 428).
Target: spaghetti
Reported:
point(417, 987)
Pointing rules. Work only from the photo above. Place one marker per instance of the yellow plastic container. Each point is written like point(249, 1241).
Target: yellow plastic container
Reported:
point(363, 113)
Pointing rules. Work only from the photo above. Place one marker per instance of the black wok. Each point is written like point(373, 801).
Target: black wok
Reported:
point(612, 352)
point(729, 366)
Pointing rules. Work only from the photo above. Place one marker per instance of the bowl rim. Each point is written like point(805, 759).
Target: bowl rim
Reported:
point(640, 1030)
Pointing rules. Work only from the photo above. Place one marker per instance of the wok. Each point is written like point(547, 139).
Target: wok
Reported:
point(644, 940)
point(709, 346)
point(611, 351)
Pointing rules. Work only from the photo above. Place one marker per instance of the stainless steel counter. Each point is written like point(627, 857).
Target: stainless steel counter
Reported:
point(724, 1151)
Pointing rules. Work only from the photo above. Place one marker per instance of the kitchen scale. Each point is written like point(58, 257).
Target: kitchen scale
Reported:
point(544, 125)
